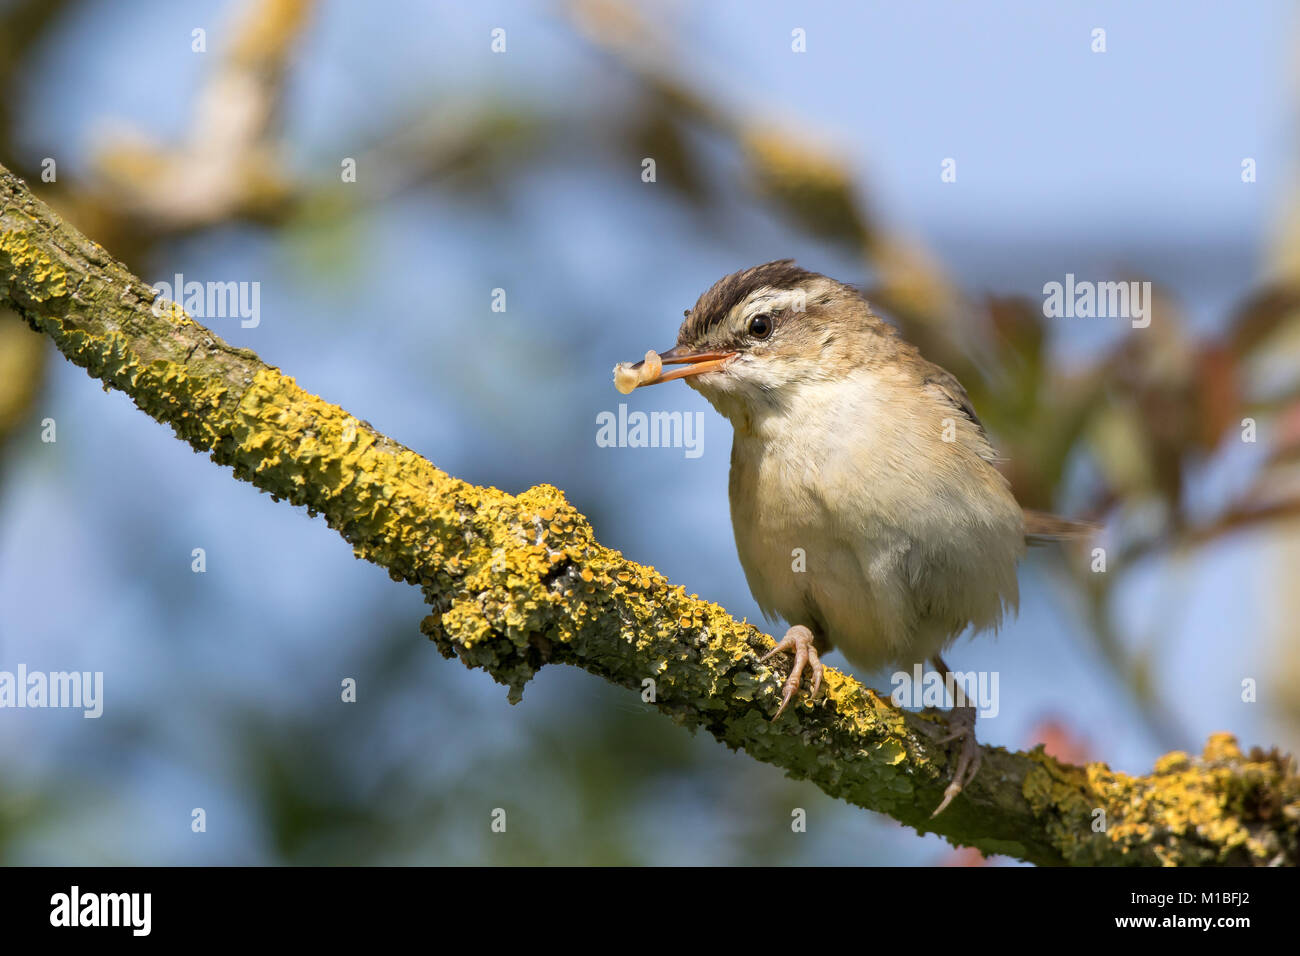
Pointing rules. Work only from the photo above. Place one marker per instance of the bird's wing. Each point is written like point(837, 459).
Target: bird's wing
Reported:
point(1040, 527)
point(945, 384)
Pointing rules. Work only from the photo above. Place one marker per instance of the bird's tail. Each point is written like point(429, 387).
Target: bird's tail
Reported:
point(1042, 528)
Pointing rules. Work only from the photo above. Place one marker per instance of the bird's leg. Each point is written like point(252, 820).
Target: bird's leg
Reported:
point(961, 723)
point(798, 640)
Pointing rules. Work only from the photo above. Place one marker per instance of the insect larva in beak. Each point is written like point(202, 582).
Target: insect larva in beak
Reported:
point(627, 376)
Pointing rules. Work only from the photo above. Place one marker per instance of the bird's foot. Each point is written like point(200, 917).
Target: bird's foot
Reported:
point(961, 726)
point(798, 641)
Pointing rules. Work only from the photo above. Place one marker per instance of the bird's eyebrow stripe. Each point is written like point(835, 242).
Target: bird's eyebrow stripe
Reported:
point(772, 299)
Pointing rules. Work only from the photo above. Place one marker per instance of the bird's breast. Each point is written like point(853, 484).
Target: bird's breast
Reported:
point(852, 521)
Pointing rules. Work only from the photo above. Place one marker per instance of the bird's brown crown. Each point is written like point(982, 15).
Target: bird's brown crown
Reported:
point(716, 304)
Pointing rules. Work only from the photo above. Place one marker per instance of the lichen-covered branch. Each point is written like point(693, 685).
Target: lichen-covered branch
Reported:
point(517, 582)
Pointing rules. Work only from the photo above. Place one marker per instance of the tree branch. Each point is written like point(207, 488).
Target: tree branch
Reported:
point(517, 582)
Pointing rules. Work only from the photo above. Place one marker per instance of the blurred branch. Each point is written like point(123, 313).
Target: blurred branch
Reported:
point(517, 582)
point(807, 182)
point(229, 164)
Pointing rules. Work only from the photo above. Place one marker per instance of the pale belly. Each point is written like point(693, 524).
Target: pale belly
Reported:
point(888, 578)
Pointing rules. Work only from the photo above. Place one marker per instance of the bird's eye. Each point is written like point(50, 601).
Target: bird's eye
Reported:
point(760, 326)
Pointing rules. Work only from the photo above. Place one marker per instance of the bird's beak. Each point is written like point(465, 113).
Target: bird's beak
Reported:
point(693, 363)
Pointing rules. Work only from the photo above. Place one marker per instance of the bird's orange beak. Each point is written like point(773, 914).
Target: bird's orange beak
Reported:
point(693, 363)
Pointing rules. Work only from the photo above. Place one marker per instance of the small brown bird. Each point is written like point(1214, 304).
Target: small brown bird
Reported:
point(857, 454)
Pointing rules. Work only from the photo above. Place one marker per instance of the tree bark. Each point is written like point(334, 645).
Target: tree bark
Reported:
point(517, 582)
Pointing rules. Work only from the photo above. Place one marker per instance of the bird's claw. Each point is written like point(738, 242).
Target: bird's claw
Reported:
point(799, 641)
point(969, 758)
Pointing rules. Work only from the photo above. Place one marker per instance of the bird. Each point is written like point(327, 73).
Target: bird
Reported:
point(867, 507)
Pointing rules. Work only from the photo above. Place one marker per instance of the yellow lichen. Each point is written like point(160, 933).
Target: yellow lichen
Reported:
point(41, 276)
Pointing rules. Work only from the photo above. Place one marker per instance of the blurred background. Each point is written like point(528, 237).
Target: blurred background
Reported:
point(820, 131)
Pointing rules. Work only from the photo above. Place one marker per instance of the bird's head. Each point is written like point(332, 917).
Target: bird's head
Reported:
point(759, 334)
